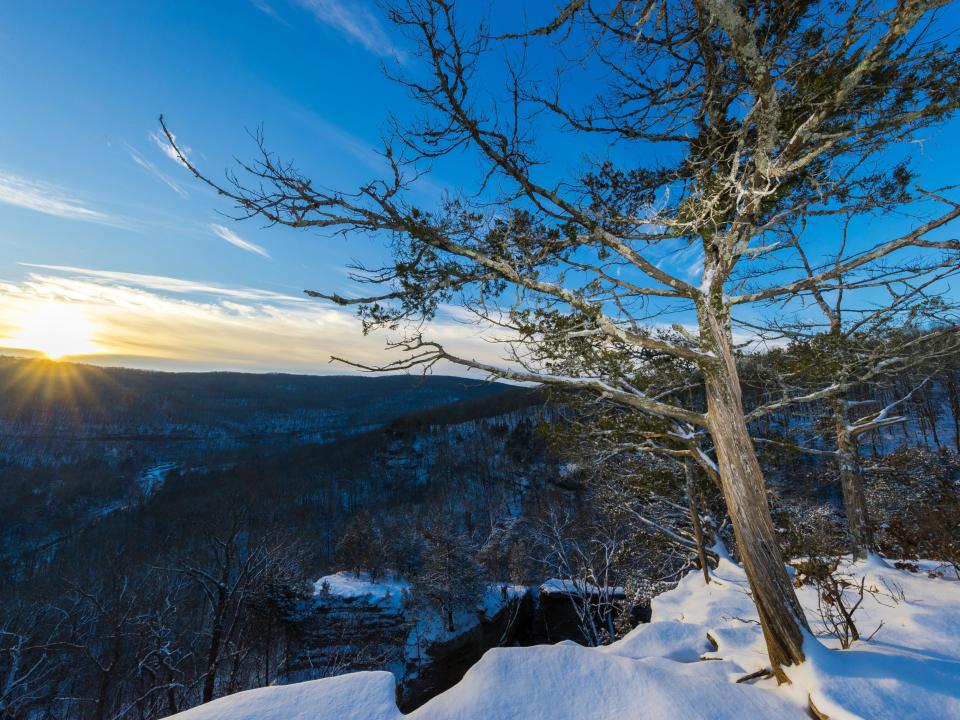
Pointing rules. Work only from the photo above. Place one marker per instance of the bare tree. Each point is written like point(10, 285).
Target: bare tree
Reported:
point(163, 661)
point(753, 117)
point(232, 573)
point(32, 666)
point(851, 359)
point(583, 562)
point(450, 579)
point(125, 632)
point(110, 612)
point(361, 547)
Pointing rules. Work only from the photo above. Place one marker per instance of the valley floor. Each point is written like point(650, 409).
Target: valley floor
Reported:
point(683, 664)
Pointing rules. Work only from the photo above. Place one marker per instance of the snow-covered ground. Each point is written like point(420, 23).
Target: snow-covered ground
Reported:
point(386, 593)
point(684, 664)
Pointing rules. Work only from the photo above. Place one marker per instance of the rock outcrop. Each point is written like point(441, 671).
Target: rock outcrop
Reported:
point(355, 624)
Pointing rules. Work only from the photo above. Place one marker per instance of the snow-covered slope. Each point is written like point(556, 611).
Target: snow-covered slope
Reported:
point(684, 664)
point(357, 696)
point(910, 669)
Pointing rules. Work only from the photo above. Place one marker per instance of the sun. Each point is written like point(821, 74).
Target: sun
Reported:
point(56, 330)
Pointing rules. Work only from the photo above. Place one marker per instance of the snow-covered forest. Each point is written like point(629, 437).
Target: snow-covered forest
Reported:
point(416, 547)
point(700, 276)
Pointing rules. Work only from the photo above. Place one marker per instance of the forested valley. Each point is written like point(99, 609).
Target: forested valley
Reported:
point(144, 579)
point(646, 321)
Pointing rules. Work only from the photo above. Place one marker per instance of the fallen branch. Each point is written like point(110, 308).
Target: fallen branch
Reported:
point(762, 673)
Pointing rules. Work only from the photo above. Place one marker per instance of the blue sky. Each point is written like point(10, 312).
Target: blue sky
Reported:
point(85, 82)
point(96, 216)
point(87, 191)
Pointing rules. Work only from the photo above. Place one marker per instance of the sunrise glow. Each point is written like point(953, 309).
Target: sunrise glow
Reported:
point(55, 329)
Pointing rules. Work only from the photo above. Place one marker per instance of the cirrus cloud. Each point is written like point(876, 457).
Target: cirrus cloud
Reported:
point(355, 21)
point(225, 233)
point(50, 199)
point(167, 149)
point(155, 171)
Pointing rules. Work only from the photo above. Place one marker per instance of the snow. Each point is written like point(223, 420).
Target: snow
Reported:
point(910, 669)
point(684, 664)
point(558, 586)
point(387, 594)
point(672, 640)
point(706, 280)
point(357, 696)
point(570, 682)
point(108, 509)
point(497, 595)
point(390, 594)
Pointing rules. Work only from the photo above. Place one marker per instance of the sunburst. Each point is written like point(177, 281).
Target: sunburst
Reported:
point(56, 329)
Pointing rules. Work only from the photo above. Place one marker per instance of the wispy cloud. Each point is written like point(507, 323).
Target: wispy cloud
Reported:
point(268, 10)
point(168, 284)
point(161, 142)
point(50, 199)
point(354, 20)
point(155, 171)
point(147, 321)
point(225, 233)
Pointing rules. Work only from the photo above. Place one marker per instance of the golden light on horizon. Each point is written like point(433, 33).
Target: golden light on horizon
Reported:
point(56, 329)
point(160, 322)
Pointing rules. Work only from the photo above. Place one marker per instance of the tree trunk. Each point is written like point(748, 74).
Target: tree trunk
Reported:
point(100, 709)
point(106, 676)
point(954, 406)
point(851, 482)
point(171, 698)
point(213, 653)
point(781, 617)
point(266, 661)
point(695, 520)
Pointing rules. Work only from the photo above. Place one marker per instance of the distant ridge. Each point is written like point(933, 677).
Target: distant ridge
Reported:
point(52, 413)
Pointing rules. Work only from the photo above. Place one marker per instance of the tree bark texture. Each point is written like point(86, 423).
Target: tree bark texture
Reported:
point(781, 617)
point(851, 482)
